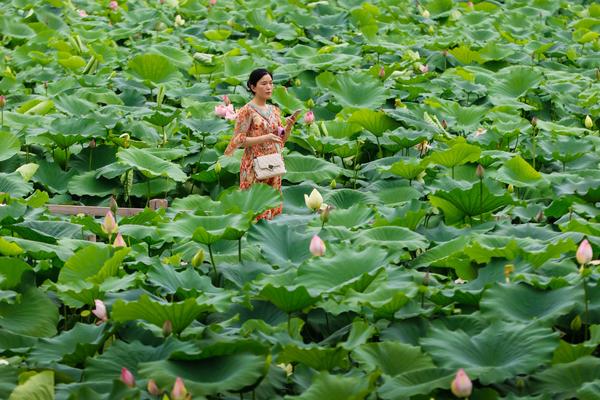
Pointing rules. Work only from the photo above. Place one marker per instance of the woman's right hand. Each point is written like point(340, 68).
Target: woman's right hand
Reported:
point(271, 137)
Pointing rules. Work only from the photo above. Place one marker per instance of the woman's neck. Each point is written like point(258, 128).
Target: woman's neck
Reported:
point(259, 101)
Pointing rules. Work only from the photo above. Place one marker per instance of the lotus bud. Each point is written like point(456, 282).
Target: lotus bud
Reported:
point(508, 269)
point(470, 4)
point(226, 100)
point(598, 74)
point(113, 5)
point(480, 131)
point(160, 96)
point(317, 246)
point(444, 124)
point(461, 385)
point(213, 2)
point(297, 82)
point(218, 168)
point(152, 388)
point(382, 72)
point(100, 311)
point(575, 323)
point(398, 103)
point(179, 392)
point(588, 122)
point(92, 144)
point(2, 101)
point(167, 328)
point(336, 39)
point(584, 253)
point(479, 171)
point(310, 103)
point(198, 258)
point(109, 226)
point(112, 205)
point(333, 184)
point(510, 188)
point(125, 137)
point(534, 121)
point(309, 117)
point(424, 68)
point(179, 21)
point(426, 14)
point(119, 242)
point(445, 52)
point(313, 201)
point(324, 210)
point(82, 13)
point(127, 377)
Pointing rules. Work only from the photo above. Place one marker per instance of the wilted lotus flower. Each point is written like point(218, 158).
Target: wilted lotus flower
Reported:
point(127, 377)
point(324, 210)
point(153, 388)
point(584, 253)
point(113, 5)
point(424, 68)
point(313, 201)
point(317, 246)
point(119, 242)
point(82, 13)
point(309, 117)
point(109, 226)
point(588, 122)
point(100, 311)
point(382, 72)
point(461, 385)
point(423, 147)
point(179, 392)
point(179, 21)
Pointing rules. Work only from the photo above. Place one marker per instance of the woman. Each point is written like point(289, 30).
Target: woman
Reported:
point(259, 131)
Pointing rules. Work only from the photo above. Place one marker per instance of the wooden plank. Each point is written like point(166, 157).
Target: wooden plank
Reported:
point(155, 204)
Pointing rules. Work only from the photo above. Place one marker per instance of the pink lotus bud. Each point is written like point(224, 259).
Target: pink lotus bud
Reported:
point(470, 4)
point(2, 101)
point(82, 13)
point(119, 242)
point(112, 204)
point(109, 226)
point(226, 100)
point(445, 53)
point(153, 388)
point(213, 2)
point(309, 117)
point(113, 5)
point(479, 171)
point(317, 247)
point(584, 253)
point(179, 391)
point(127, 377)
point(461, 385)
point(100, 310)
point(424, 68)
point(382, 72)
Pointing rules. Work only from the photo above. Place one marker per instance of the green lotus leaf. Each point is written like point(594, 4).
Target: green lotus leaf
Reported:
point(394, 237)
point(347, 268)
point(178, 57)
point(9, 145)
point(392, 358)
point(47, 231)
point(567, 352)
point(337, 387)
point(346, 198)
point(376, 122)
point(355, 216)
point(212, 228)
point(288, 299)
point(37, 387)
point(257, 198)
point(74, 105)
point(407, 169)
point(198, 204)
point(70, 347)
point(497, 353)
point(237, 69)
point(419, 382)
point(11, 270)
point(565, 380)
point(34, 314)
point(466, 56)
point(152, 68)
point(92, 264)
point(181, 313)
point(518, 172)
point(287, 101)
point(52, 177)
point(459, 154)
point(356, 90)
point(301, 168)
point(316, 357)
point(172, 281)
point(340, 129)
point(523, 303)
point(512, 83)
point(150, 164)
point(280, 243)
point(14, 184)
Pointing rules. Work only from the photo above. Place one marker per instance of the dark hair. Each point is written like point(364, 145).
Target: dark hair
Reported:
point(256, 76)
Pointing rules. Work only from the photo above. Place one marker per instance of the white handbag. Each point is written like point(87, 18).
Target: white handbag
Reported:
point(268, 166)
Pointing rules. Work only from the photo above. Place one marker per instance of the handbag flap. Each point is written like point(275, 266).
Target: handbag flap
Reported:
point(269, 161)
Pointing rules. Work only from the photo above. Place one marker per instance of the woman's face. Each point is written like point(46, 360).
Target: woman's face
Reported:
point(264, 87)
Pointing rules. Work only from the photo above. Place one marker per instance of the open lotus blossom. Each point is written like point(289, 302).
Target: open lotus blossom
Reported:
point(100, 311)
point(588, 122)
point(584, 253)
point(424, 68)
point(82, 13)
point(109, 226)
point(480, 131)
point(309, 117)
point(113, 5)
point(313, 201)
point(127, 377)
point(423, 147)
point(152, 388)
point(179, 392)
point(225, 111)
point(119, 241)
point(179, 21)
point(317, 246)
point(461, 385)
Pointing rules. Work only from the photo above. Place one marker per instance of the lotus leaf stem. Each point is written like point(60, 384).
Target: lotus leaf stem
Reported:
point(240, 250)
point(212, 261)
point(586, 309)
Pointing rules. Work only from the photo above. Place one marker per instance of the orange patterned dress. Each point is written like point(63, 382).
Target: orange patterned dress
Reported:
point(251, 122)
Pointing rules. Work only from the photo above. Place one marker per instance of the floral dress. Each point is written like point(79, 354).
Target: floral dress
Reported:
point(251, 122)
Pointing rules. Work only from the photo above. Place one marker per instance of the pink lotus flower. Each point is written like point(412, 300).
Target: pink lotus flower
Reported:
point(424, 68)
point(82, 13)
point(309, 117)
point(213, 2)
point(584, 253)
point(109, 226)
point(461, 385)
point(225, 111)
point(100, 311)
point(119, 242)
point(152, 388)
point(179, 391)
point(127, 377)
point(317, 246)
point(113, 5)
